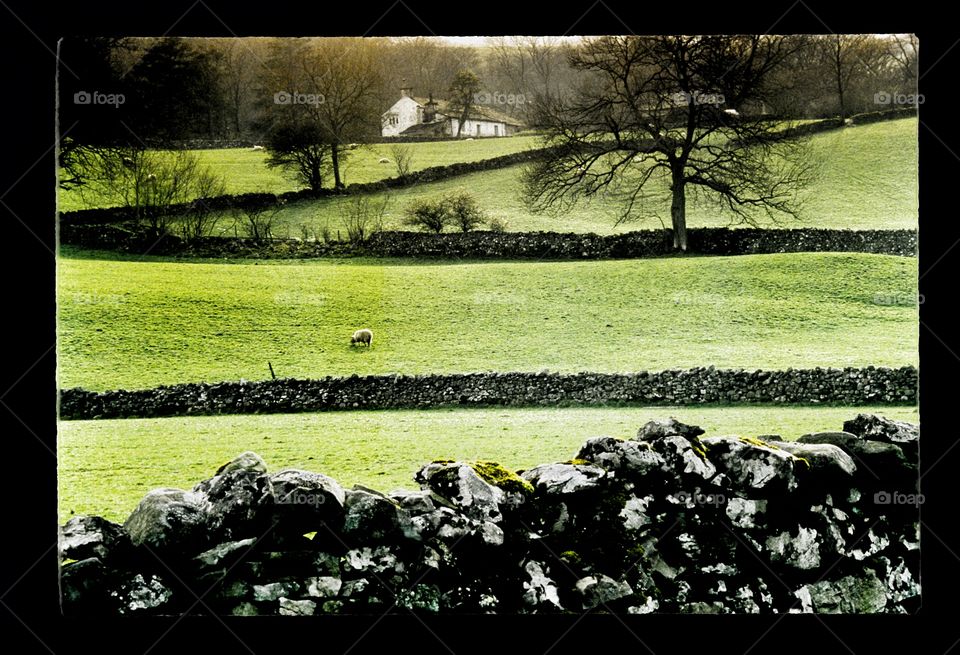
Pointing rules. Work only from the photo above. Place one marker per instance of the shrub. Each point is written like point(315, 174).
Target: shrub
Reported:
point(429, 216)
point(464, 211)
point(363, 216)
point(497, 224)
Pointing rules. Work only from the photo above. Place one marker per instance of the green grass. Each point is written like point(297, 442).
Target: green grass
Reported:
point(868, 181)
point(135, 324)
point(245, 170)
point(105, 467)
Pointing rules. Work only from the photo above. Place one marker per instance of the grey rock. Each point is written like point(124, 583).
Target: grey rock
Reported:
point(684, 458)
point(863, 594)
point(564, 479)
point(143, 594)
point(540, 590)
point(746, 513)
point(414, 502)
point(749, 468)
point(306, 502)
point(83, 537)
point(601, 590)
point(239, 498)
point(297, 607)
point(222, 554)
point(372, 517)
point(634, 512)
point(659, 428)
point(821, 458)
point(271, 591)
point(323, 586)
point(632, 457)
point(800, 551)
point(461, 485)
point(169, 518)
point(876, 460)
point(879, 428)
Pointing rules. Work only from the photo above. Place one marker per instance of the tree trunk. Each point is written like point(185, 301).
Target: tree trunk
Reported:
point(678, 214)
point(335, 157)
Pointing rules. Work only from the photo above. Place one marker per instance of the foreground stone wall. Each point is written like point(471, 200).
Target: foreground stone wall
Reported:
point(847, 386)
point(668, 521)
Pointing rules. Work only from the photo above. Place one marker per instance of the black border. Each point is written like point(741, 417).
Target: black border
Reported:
point(30, 32)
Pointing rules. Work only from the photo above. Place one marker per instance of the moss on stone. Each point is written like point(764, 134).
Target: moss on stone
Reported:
point(572, 557)
point(577, 462)
point(443, 461)
point(495, 474)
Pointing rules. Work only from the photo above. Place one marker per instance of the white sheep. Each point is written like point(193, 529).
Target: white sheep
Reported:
point(469, 138)
point(353, 146)
point(257, 148)
point(383, 160)
point(362, 336)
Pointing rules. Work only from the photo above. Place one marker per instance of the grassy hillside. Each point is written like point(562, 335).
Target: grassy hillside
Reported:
point(868, 181)
point(106, 466)
point(245, 171)
point(137, 324)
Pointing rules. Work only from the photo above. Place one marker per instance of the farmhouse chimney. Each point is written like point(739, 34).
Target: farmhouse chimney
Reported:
point(405, 89)
point(429, 110)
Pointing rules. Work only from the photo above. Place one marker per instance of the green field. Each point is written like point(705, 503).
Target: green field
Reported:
point(245, 171)
point(868, 181)
point(105, 467)
point(136, 324)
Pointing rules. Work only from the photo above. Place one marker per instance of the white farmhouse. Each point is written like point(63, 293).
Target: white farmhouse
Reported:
point(410, 116)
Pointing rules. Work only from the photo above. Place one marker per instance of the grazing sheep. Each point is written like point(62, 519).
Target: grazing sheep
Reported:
point(257, 148)
point(383, 160)
point(469, 138)
point(353, 146)
point(129, 163)
point(362, 336)
point(848, 121)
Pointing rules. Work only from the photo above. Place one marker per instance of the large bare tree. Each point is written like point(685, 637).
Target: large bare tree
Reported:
point(684, 111)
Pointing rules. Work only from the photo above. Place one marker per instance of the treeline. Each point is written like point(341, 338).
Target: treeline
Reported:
point(218, 88)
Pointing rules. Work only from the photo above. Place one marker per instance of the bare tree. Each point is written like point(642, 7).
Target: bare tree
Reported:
point(149, 182)
point(200, 218)
point(464, 211)
point(257, 220)
point(402, 155)
point(428, 215)
point(673, 110)
point(363, 216)
point(462, 94)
